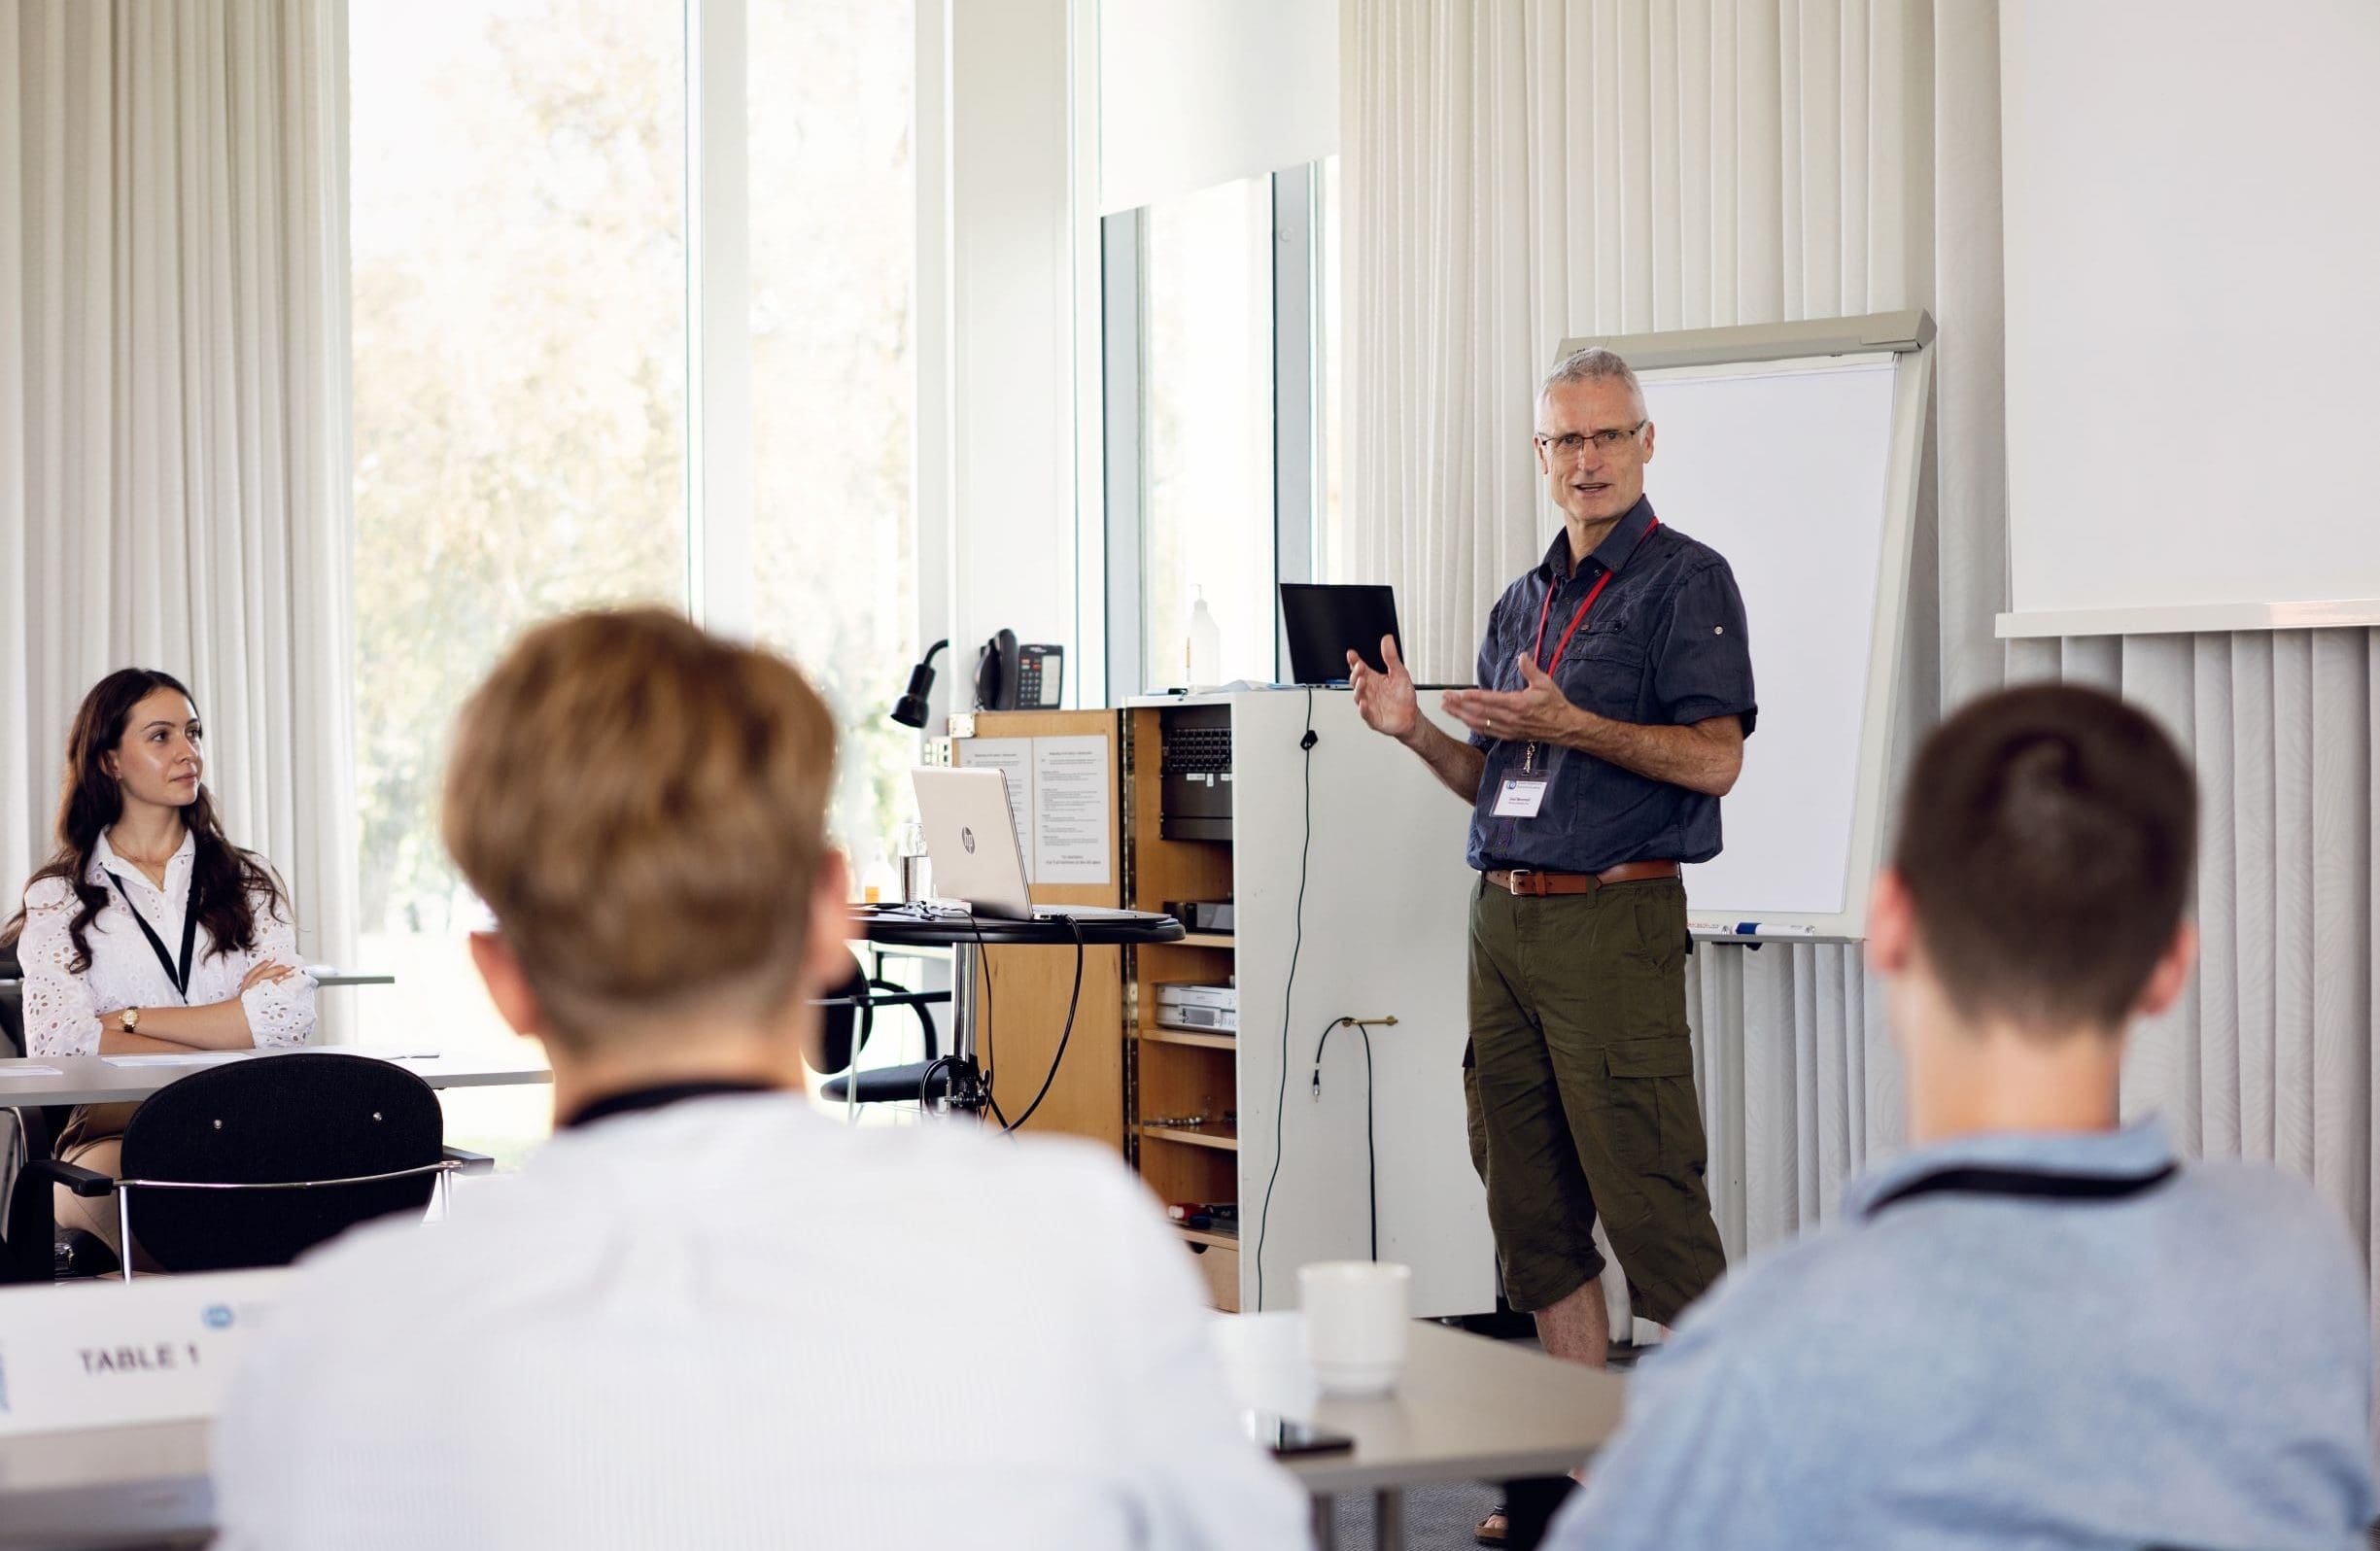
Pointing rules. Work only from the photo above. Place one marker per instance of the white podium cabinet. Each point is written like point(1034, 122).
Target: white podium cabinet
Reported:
point(1375, 846)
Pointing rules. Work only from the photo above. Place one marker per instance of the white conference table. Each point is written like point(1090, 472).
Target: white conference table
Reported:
point(11, 986)
point(37, 1081)
point(1469, 1409)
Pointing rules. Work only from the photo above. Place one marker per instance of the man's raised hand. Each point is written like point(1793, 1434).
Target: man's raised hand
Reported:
point(1385, 699)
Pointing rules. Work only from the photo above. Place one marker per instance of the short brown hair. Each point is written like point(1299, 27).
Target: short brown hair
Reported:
point(643, 806)
point(2047, 842)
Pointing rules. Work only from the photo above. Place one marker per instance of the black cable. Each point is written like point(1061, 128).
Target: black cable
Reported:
point(983, 973)
point(925, 1079)
point(1371, 1151)
point(1073, 1001)
point(1289, 992)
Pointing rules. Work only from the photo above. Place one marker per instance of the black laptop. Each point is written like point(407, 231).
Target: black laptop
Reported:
point(1325, 623)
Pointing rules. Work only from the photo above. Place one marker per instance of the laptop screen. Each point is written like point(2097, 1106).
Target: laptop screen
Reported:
point(1325, 623)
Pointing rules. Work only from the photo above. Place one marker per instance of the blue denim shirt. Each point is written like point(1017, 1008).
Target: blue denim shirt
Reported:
point(2185, 1365)
point(1665, 645)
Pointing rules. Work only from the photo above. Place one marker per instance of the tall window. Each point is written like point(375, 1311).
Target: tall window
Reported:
point(520, 295)
point(1221, 313)
point(833, 260)
point(518, 228)
point(1207, 448)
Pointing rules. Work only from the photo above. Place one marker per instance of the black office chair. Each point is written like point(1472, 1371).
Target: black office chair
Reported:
point(27, 1252)
point(254, 1162)
point(849, 1019)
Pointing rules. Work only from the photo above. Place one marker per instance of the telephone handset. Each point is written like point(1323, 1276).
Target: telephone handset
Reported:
point(1013, 677)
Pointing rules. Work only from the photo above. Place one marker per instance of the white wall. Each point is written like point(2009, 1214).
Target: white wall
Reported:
point(2193, 309)
point(1193, 95)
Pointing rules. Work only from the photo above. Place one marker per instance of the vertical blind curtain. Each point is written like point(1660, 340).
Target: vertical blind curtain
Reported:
point(174, 483)
point(1520, 173)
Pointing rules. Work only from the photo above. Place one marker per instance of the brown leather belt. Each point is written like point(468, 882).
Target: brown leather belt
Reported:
point(1530, 883)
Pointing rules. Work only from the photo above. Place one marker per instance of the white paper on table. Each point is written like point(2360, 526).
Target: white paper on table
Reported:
point(194, 1058)
point(1011, 757)
point(1071, 810)
point(29, 1069)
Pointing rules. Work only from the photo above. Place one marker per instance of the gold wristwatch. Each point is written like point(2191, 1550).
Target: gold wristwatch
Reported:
point(132, 1020)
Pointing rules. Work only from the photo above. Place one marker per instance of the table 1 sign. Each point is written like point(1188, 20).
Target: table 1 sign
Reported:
point(105, 1354)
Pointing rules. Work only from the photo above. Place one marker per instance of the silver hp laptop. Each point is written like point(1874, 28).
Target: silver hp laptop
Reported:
point(971, 836)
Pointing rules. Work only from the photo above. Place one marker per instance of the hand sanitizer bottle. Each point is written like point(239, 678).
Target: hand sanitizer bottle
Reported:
point(1206, 646)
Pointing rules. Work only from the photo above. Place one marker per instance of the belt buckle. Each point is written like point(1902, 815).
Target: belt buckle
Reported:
point(1519, 887)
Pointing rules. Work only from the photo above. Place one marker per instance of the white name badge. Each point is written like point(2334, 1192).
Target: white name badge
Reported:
point(1521, 796)
point(104, 1354)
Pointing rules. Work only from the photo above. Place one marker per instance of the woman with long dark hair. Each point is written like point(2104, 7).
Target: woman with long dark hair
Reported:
point(147, 931)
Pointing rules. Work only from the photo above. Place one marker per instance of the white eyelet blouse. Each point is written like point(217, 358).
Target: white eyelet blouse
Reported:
point(63, 1009)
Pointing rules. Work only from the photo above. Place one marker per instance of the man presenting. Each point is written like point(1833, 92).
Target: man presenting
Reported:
point(1616, 694)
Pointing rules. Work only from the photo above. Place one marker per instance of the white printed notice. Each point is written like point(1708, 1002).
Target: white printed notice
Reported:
point(1011, 757)
point(1070, 811)
point(158, 1350)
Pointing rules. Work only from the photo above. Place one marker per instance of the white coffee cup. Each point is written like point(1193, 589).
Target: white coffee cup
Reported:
point(1355, 1314)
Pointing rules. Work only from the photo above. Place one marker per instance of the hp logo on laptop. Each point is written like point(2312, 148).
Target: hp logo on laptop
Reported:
point(966, 838)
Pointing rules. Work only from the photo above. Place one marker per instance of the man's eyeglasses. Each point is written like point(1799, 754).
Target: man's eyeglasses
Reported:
point(1570, 444)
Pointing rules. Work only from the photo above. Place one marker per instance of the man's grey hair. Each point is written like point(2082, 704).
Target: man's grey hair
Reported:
point(1593, 363)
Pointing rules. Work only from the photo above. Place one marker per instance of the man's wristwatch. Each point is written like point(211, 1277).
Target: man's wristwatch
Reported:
point(132, 1020)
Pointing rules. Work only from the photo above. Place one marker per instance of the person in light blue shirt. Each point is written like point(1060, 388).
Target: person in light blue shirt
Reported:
point(2038, 1327)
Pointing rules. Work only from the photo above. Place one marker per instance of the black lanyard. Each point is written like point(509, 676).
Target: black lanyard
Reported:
point(2028, 1183)
point(179, 974)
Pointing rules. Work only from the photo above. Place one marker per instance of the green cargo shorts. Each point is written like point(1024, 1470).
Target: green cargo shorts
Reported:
point(1578, 1085)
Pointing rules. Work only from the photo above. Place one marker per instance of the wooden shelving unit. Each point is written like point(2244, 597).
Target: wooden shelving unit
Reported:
point(1177, 1072)
point(1225, 1137)
point(1190, 1036)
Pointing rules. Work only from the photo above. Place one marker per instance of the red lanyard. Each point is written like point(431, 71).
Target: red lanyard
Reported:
point(1579, 618)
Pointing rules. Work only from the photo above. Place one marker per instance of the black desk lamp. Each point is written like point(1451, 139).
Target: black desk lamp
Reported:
point(909, 710)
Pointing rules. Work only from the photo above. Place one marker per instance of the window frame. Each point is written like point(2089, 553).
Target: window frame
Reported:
point(1299, 454)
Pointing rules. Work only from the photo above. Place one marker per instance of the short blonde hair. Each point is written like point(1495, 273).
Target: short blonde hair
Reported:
point(643, 808)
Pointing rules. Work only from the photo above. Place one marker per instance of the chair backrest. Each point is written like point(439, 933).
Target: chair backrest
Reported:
point(847, 1018)
point(273, 1119)
point(844, 1023)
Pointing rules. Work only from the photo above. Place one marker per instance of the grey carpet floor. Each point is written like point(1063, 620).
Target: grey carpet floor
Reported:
point(1438, 1518)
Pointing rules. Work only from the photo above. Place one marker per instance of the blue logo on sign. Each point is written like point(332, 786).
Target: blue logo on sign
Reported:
point(217, 1315)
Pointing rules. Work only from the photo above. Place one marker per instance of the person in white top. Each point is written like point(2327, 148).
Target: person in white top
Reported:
point(147, 931)
point(705, 1315)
